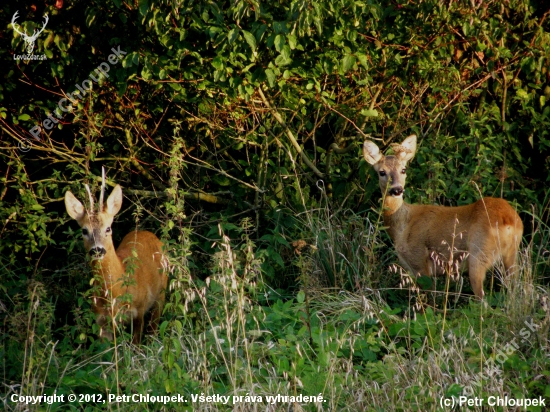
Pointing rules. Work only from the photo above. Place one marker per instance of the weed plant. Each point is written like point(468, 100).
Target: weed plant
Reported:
point(337, 336)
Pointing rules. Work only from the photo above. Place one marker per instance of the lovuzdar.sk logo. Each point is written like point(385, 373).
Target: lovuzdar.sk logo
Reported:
point(29, 39)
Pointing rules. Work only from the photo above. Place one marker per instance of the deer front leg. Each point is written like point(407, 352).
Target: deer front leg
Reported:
point(105, 332)
point(156, 311)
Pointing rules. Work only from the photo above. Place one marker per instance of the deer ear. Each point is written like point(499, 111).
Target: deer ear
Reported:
point(75, 209)
point(114, 201)
point(410, 148)
point(371, 152)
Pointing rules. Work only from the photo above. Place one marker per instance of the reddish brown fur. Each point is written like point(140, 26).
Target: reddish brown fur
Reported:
point(486, 231)
point(143, 278)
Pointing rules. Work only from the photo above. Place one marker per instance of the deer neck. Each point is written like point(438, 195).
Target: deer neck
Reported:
point(111, 270)
point(396, 215)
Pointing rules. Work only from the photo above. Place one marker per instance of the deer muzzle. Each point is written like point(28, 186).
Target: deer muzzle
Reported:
point(396, 191)
point(97, 252)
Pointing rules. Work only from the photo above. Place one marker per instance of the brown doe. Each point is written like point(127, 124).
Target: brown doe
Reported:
point(136, 269)
point(482, 233)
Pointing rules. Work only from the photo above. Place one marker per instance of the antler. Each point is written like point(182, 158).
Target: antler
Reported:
point(102, 189)
point(91, 211)
point(13, 19)
point(35, 34)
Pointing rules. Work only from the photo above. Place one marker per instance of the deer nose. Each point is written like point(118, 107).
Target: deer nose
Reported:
point(396, 191)
point(97, 252)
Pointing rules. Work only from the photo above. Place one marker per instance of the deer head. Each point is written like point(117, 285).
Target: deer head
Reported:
point(391, 170)
point(96, 225)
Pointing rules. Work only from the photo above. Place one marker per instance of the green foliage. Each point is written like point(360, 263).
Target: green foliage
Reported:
point(180, 110)
point(219, 120)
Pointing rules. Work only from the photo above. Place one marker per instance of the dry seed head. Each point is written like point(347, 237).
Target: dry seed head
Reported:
point(298, 245)
point(544, 302)
point(399, 149)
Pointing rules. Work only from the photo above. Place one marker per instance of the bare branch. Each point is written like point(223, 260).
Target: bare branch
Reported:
point(290, 136)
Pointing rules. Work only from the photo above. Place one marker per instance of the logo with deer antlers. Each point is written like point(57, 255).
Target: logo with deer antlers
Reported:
point(29, 39)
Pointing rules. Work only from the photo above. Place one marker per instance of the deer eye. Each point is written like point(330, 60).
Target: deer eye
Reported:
point(382, 173)
point(404, 171)
point(108, 230)
point(85, 232)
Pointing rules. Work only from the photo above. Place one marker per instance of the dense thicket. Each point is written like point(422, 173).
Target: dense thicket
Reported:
point(228, 107)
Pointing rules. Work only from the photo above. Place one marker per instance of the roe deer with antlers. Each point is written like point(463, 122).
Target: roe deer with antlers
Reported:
point(140, 252)
point(482, 233)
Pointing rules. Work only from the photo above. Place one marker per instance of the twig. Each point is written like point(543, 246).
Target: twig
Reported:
point(138, 166)
point(204, 197)
point(289, 134)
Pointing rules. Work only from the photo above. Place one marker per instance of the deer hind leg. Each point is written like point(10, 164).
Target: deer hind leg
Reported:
point(509, 258)
point(477, 268)
point(511, 269)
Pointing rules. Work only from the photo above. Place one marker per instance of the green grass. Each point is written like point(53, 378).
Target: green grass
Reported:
point(349, 335)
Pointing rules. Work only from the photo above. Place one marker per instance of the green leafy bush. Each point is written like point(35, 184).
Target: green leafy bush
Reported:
point(235, 129)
